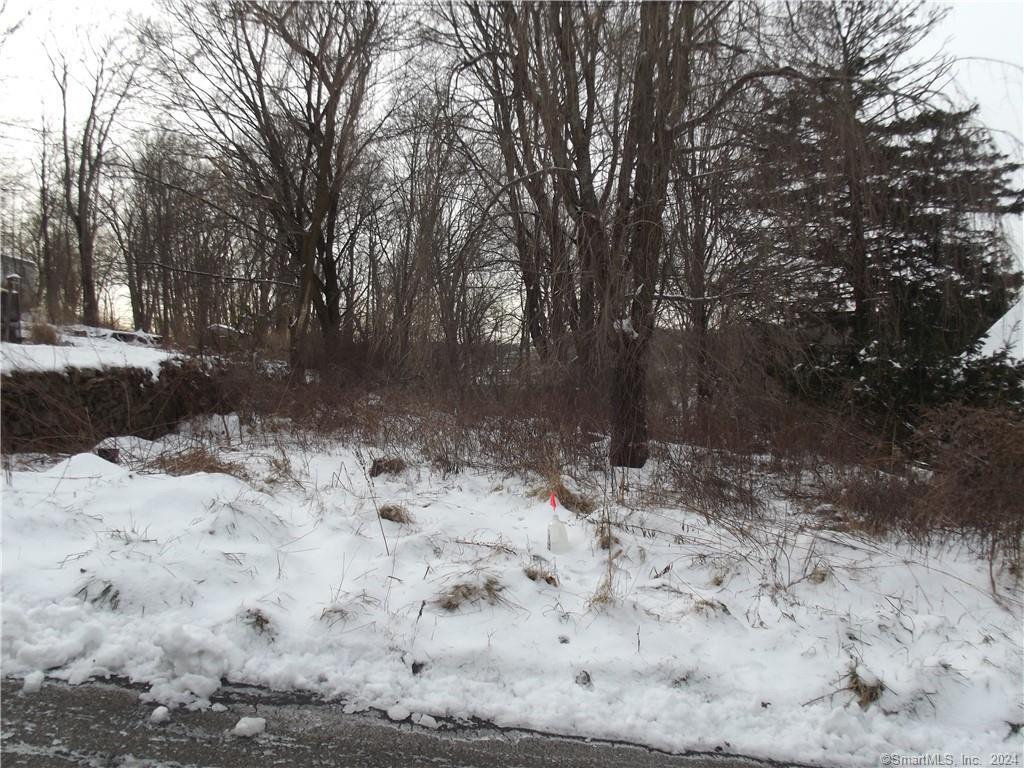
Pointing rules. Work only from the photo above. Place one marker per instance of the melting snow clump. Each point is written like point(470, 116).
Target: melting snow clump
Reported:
point(33, 682)
point(250, 726)
point(398, 712)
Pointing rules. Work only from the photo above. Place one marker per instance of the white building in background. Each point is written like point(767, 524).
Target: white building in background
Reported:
point(1007, 333)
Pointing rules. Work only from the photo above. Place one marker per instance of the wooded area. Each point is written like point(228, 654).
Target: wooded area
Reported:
point(689, 201)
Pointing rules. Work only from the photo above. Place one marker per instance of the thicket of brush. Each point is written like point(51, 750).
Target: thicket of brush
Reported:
point(957, 472)
point(72, 410)
point(726, 453)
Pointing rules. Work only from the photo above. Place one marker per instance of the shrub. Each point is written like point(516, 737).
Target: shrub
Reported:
point(977, 487)
point(874, 500)
point(43, 333)
point(386, 466)
point(72, 410)
point(713, 482)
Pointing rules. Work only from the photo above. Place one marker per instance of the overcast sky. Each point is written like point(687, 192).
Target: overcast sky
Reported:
point(987, 36)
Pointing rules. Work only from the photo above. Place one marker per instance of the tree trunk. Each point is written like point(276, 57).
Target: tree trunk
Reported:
point(90, 307)
point(49, 260)
point(653, 140)
point(629, 403)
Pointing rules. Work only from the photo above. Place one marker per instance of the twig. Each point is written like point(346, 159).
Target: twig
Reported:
point(498, 545)
point(373, 498)
point(201, 273)
point(829, 695)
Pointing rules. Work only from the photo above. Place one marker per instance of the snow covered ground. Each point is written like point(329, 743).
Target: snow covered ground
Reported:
point(80, 352)
point(682, 636)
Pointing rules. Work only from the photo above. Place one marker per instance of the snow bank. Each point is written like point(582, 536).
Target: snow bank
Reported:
point(83, 352)
point(708, 642)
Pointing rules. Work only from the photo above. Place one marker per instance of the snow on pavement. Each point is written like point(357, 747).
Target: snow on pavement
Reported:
point(284, 579)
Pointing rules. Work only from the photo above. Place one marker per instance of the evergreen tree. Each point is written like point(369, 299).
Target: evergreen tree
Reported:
point(893, 199)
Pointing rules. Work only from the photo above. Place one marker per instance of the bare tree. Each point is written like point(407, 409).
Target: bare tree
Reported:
point(433, 284)
point(50, 267)
point(279, 89)
point(588, 104)
point(109, 80)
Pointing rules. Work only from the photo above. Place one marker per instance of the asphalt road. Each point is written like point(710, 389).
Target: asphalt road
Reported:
point(100, 725)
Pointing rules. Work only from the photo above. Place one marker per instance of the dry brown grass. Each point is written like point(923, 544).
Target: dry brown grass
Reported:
point(604, 596)
point(258, 621)
point(100, 593)
point(42, 332)
point(344, 607)
point(396, 513)
point(606, 538)
point(820, 574)
point(194, 461)
point(866, 692)
point(577, 503)
point(333, 614)
point(520, 431)
point(446, 441)
point(470, 593)
point(540, 570)
point(710, 608)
